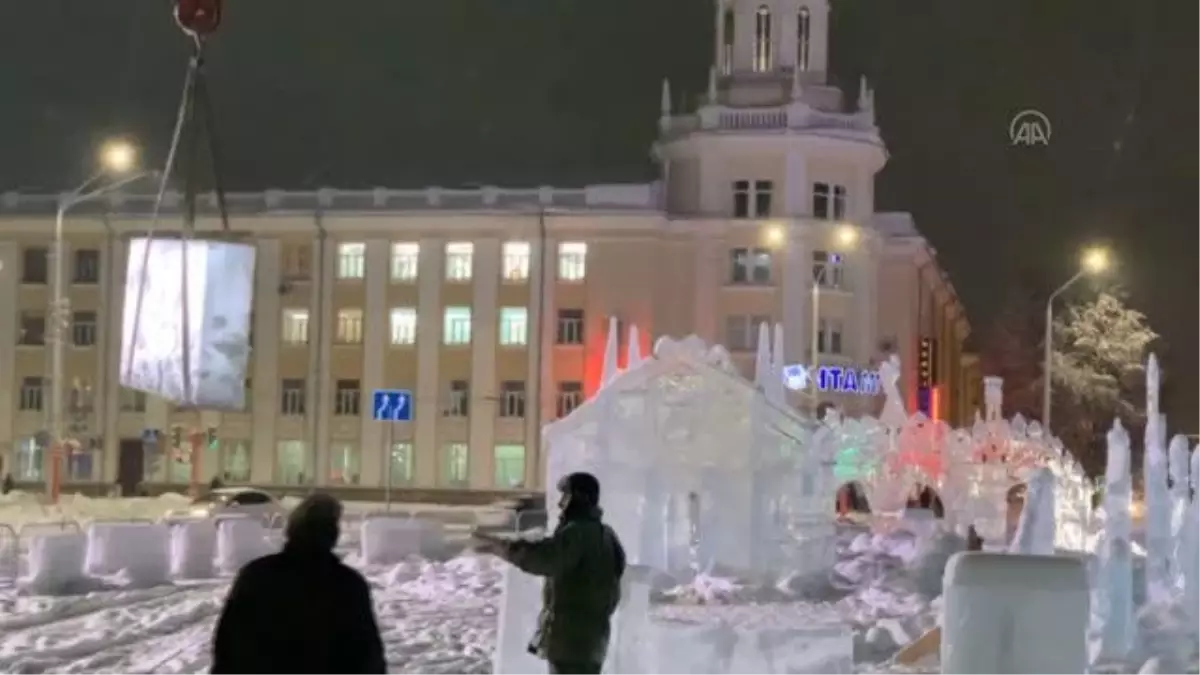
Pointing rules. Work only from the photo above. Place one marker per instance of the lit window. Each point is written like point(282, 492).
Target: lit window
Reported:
point(352, 260)
point(403, 322)
point(456, 326)
point(572, 260)
point(405, 259)
point(514, 326)
point(454, 464)
point(295, 326)
point(349, 326)
point(459, 258)
point(400, 471)
point(291, 463)
point(516, 261)
point(345, 462)
point(762, 39)
point(509, 462)
point(458, 399)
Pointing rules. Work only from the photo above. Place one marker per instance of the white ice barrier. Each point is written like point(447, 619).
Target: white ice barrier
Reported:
point(520, 601)
point(55, 564)
point(193, 548)
point(140, 549)
point(1014, 614)
point(688, 649)
point(627, 649)
point(388, 540)
point(240, 540)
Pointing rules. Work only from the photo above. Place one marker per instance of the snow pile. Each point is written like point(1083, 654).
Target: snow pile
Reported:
point(240, 540)
point(193, 548)
point(56, 564)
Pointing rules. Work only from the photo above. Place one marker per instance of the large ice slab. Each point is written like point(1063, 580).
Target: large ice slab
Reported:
point(240, 540)
point(386, 539)
point(193, 549)
point(55, 564)
point(1009, 613)
point(689, 649)
point(219, 288)
point(520, 601)
point(139, 549)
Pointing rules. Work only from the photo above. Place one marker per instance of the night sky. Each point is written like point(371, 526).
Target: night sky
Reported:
point(409, 93)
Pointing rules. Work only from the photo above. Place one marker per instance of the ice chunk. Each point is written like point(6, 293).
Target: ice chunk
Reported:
point(193, 549)
point(1009, 613)
point(388, 540)
point(139, 549)
point(1035, 530)
point(55, 564)
point(240, 540)
point(520, 602)
point(219, 289)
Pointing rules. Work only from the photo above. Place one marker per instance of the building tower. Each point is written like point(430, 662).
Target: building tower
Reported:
point(775, 145)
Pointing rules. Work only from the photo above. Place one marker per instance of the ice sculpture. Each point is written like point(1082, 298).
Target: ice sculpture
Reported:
point(1072, 503)
point(1157, 499)
point(216, 295)
point(1112, 615)
point(1036, 528)
point(680, 440)
point(893, 413)
point(1188, 555)
point(1181, 501)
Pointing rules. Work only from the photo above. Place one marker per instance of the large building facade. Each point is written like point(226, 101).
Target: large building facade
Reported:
point(492, 305)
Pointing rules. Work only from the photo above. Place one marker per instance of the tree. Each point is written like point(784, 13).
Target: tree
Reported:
point(1011, 348)
point(1098, 362)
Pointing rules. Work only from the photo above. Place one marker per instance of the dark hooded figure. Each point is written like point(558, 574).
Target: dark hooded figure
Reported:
point(583, 562)
point(300, 610)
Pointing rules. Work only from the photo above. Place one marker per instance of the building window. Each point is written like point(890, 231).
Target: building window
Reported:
point(750, 266)
point(516, 261)
point(456, 326)
point(572, 260)
point(87, 266)
point(828, 269)
point(727, 40)
point(29, 460)
point(829, 201)
point(752, 199)
point(291, 463)
point(569, 327)
point(829, 337)
point(400, 471)
point(345, 464)
point(403, 325)
point(514, 326)
point(570, 395)
point(509, 461)
point(32, 393)
point(802, 38)
point(454, 464)
point(346, 398)
point(512, 398)
point(236, 462)
point(406, 258)
point(763, 190)
point(352, 260)
point(132, 400)
point(350, 326)
point(762, 39)
point(83, 329)
point(292, 397)
point(741, 199)
point(459, 259)
point(741, 332)
point(297, 262)
point(35, 265)
point(33, 329)
point(295, 326)
point(458, 400)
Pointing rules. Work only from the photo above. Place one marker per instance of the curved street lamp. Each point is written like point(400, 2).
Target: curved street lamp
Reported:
point(1095, 261)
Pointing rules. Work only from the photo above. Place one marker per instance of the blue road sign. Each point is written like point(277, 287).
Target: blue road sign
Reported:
point(392, 405)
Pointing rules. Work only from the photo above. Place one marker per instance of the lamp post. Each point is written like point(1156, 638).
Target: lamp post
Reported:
point(1095, 261)
point(116, 158)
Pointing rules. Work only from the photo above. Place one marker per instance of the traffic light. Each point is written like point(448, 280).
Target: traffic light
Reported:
point(927, 362)
point(176, 437)
point(210, 438)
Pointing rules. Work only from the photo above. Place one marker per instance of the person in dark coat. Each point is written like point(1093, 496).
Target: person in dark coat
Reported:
point(300, 610)
point(583, 562)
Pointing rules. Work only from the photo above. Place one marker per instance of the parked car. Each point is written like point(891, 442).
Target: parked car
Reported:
point(525, 512)
point(229, 501)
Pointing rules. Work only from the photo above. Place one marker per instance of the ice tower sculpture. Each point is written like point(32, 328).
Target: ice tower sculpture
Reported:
point(682, 444)
point(1035, 530)
point(1158, 500)
point(1112, 614)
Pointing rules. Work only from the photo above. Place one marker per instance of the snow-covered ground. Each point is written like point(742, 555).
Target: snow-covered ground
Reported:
point(440, 616)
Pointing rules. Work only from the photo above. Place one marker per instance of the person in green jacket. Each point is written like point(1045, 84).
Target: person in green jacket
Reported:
point(582, 562)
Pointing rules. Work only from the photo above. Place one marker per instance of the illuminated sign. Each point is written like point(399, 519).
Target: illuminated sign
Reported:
point(836, 379)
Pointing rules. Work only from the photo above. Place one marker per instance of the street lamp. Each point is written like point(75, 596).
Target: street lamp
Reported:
point(844, 237)
point(1095, 261)
point(117, 158)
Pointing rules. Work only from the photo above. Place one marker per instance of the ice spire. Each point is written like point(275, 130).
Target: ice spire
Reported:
point(762, 358)
point(610, 353)
point(797, 87)
point(664, 105)
point(1158, 500)
point(712, 85)
point(633, 350)
point(1114, 580)
point(775, 393)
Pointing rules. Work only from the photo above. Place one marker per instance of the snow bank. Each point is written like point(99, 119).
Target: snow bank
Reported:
point(55, 564)
point(19, 509)
point(388, 540)
point(193, 548)
point(1015, 614)
point(240, 540)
